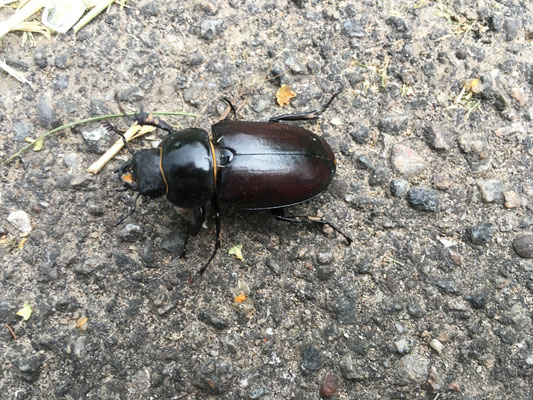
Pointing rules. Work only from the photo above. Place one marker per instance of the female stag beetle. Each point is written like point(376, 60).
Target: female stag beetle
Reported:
point(250, 165)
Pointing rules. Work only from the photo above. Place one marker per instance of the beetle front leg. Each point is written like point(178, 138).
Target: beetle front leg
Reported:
point(216, 214)
point(279, 214)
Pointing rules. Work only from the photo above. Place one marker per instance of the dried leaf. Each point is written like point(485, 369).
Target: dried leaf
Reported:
point(284, 95)
point(240, 298)
point(22, 243)
point(473, 86)
point(25, 312)
point(81, 323)
point(38, 144)
point(236, 251)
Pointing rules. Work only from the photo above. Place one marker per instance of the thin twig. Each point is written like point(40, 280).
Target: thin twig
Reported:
point(84, 121)
point(11, 330)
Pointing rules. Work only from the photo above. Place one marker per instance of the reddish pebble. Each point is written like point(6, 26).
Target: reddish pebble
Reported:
point(329, 387)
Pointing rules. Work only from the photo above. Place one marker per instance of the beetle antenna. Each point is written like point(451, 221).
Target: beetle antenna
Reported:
point(112, 129)
point(231, 107)
point(132, 210)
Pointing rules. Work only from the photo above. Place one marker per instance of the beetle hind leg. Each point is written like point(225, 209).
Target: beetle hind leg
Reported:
point(305, 115)
point(279, 214)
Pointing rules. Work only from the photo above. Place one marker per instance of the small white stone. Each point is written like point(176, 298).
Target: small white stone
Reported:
point(20, 220)
point(436, 345)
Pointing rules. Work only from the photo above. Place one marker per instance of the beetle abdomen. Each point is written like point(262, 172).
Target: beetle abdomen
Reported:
point(270, 165)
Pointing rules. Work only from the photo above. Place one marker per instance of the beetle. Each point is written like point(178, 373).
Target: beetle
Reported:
point(249, 165)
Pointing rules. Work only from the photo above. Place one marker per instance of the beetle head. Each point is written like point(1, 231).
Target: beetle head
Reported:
point(142, 174)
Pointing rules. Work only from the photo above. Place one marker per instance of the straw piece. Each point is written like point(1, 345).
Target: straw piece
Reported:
point(21, 15)
point(133, 132)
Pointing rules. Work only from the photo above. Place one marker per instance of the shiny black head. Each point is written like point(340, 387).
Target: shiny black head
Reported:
point(143, 174)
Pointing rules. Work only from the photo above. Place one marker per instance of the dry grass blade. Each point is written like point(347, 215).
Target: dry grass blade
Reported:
point(98, 8)
point(14, 73)
point(35, 27)
point(21, 15)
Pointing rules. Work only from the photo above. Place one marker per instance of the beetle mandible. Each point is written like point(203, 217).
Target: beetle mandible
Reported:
point(250, 165)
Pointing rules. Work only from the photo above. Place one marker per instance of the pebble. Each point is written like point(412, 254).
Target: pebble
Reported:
point(40, 60)
point(46, 112)
point(481, 234)
point(523, 245)
point(413, 368)
point(329, 386)
point(398, 187)
point(436, 345)
point(71, 160)
point(174, 242)
point(194, 93)
point(257, 393)
point(131, 94)
point(351, 371)
point(404, 345)
point(435, 138)
point(491, 190)
point(406, 160)
point(519, 95)
point(20, 220)
point(347, 308)
point(212, 319)
point(511, 199)
point(325, 257)
point(441, 182)
point(364, 162)
point(511, 27)
point(393, 124)
point(378, 177)
point(61, 61)
point(435, 380)
point(96, 139)
point(423, 199)
point(477, 300)
point(273, 265)
point(352, 29)
point(211, 28)
point(447, 287)
point(361, 134)
point(130, 233)
point(214, 378)
point(310, 359)
point(21, 130)
point(30, 368)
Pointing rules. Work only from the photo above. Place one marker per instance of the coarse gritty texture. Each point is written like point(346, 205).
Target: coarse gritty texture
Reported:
point(364, 314)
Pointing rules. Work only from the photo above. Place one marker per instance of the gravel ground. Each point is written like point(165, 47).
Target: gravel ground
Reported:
point(434, 298)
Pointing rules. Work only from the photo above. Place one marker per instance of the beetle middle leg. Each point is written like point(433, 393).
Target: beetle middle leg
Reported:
point(279, 214)
point(305, 115)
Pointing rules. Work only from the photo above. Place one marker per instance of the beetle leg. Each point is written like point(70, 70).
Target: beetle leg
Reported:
point(231, 107)
point(279, 214)
point(305, 115)
point(216, 213)
point(152, 120)
point(132, 210)
point(111, 128)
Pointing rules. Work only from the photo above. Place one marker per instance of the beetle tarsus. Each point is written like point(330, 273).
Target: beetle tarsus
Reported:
point(279, 214)
point(112, 129)
point(132, 210)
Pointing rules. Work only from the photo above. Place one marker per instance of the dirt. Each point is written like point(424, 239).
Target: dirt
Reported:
point(434, 144)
